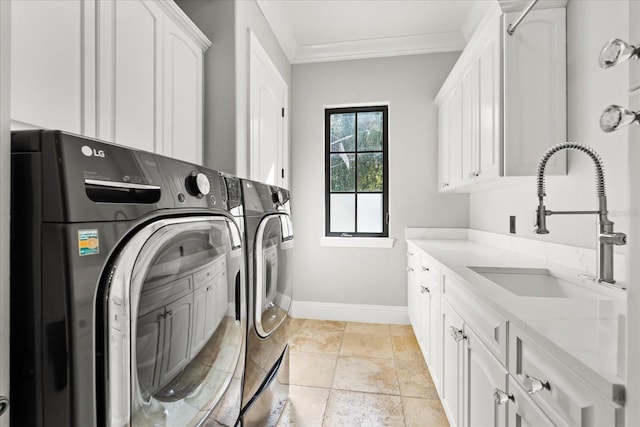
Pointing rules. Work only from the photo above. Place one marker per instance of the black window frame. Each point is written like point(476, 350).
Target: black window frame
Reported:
point(328, 112)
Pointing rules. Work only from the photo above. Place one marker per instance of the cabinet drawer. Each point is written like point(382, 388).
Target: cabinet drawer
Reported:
point(563, 396)
point(208, 273)
point(429, 269)
point(490, 327)
point(521, 409)
point(164, 294)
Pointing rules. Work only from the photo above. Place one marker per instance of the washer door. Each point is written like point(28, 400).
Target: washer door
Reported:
point(176, 324)
point(274, 240)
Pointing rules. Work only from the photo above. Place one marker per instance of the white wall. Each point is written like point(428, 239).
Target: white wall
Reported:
point(589, 90)
point(226, 78)
point(216, 20)
point(409, 84)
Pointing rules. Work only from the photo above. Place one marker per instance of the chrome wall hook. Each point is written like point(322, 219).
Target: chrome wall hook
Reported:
point(617, 51)
point(614, 117)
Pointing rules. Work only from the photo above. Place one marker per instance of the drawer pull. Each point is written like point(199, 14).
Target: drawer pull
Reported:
point(410, 253)
point(425, 268)
point(534, 385)
point(500, 397)
point(456, 334)
point(424, 290)
point(409, 269)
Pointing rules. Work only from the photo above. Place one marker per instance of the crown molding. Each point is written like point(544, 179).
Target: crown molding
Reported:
point(518, 5)
point(184, 22)
point(376, 48)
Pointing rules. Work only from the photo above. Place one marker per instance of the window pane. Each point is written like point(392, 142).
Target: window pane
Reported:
point(343, 209)
point(343, 172)
point(343, 130)
point(369, 213)
point(370, 131)
point(370, 172)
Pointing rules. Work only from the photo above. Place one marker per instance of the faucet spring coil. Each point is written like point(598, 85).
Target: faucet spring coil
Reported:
point(600, 187)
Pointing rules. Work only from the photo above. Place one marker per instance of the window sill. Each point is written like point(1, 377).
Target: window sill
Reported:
point(357, 242)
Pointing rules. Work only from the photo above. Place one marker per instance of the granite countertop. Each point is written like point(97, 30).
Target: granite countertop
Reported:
point(583, 333)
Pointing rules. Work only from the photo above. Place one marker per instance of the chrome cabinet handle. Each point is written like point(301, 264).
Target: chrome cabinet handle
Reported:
point(169, 313)
point(409, 269)
point(614, 117)
point(424, 268)
point(445, 185)
point(424, 290)
point(456, 334)
point(410, 253)
point(534, 385)
point(500, 397)
point(616, 51)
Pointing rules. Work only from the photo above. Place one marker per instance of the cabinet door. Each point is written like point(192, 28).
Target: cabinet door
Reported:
point(535, 101)
point(220, 300)
point(483, 374)
point(455, 138)
point(149, 343)
point(177, 336)
point(182, 116)
point(470, 118)
point(436, 340)
point(443, 147)
point(201, 307)
point(490, 107)
point(53, 64)
point(412, 285)
point(452, 364)
point(129, 42)
point(426, 295)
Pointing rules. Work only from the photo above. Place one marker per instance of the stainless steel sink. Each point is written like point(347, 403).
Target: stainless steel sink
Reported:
point(534, 282)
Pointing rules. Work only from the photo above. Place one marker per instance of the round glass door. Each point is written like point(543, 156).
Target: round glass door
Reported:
point(185, 303)
point(274, 240)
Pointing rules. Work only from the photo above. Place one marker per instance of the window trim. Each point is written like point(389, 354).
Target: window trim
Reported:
point(385, 172)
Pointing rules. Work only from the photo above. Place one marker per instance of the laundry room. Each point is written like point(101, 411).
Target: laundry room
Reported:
point(319, 213)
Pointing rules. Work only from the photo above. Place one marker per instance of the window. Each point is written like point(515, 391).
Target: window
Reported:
point(356, 172)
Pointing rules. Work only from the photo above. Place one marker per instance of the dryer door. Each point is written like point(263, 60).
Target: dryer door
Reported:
point(176, 324)
point(272, 258)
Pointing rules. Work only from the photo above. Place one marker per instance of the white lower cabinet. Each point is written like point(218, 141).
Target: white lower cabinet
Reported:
point(486, 370)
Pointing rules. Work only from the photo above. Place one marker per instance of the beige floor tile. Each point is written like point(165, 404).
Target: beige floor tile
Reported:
point(367, 328)
point(367, 374)
point(382, 410)
point(316, 341)
point(312, 369)
point(401, 330)
point(406, 347)
point(423, 412)
point(306, 407)
point(324, 325)
point(414, 379)
point(344, 409)
point(367, 345)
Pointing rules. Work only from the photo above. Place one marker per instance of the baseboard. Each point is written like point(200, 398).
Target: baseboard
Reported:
point(349, 312)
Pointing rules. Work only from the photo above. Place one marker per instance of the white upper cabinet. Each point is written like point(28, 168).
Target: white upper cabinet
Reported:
point(511, 92)
point(53, 64)
point(128, 72)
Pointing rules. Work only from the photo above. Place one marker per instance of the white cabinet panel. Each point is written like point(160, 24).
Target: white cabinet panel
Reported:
point(52, 61)
point(444, 174)
point(183, 96)
point(483, 374)
point(178, 321)
point(129, 44)
point(535, 101)
point(452, 363)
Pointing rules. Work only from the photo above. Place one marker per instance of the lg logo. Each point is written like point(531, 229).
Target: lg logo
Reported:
point(88, 151)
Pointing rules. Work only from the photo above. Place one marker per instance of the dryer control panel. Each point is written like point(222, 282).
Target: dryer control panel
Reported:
point(85, 179)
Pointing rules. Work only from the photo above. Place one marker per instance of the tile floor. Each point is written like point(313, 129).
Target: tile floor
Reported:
point(358, 374)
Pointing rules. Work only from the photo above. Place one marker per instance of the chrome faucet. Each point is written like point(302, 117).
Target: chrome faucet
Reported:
point(606, 236)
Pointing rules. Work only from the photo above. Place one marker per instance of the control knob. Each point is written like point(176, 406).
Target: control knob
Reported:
point(277, 197)
point(198, 184)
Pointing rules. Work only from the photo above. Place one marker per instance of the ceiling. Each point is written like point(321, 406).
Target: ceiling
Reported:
point(329, 30)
